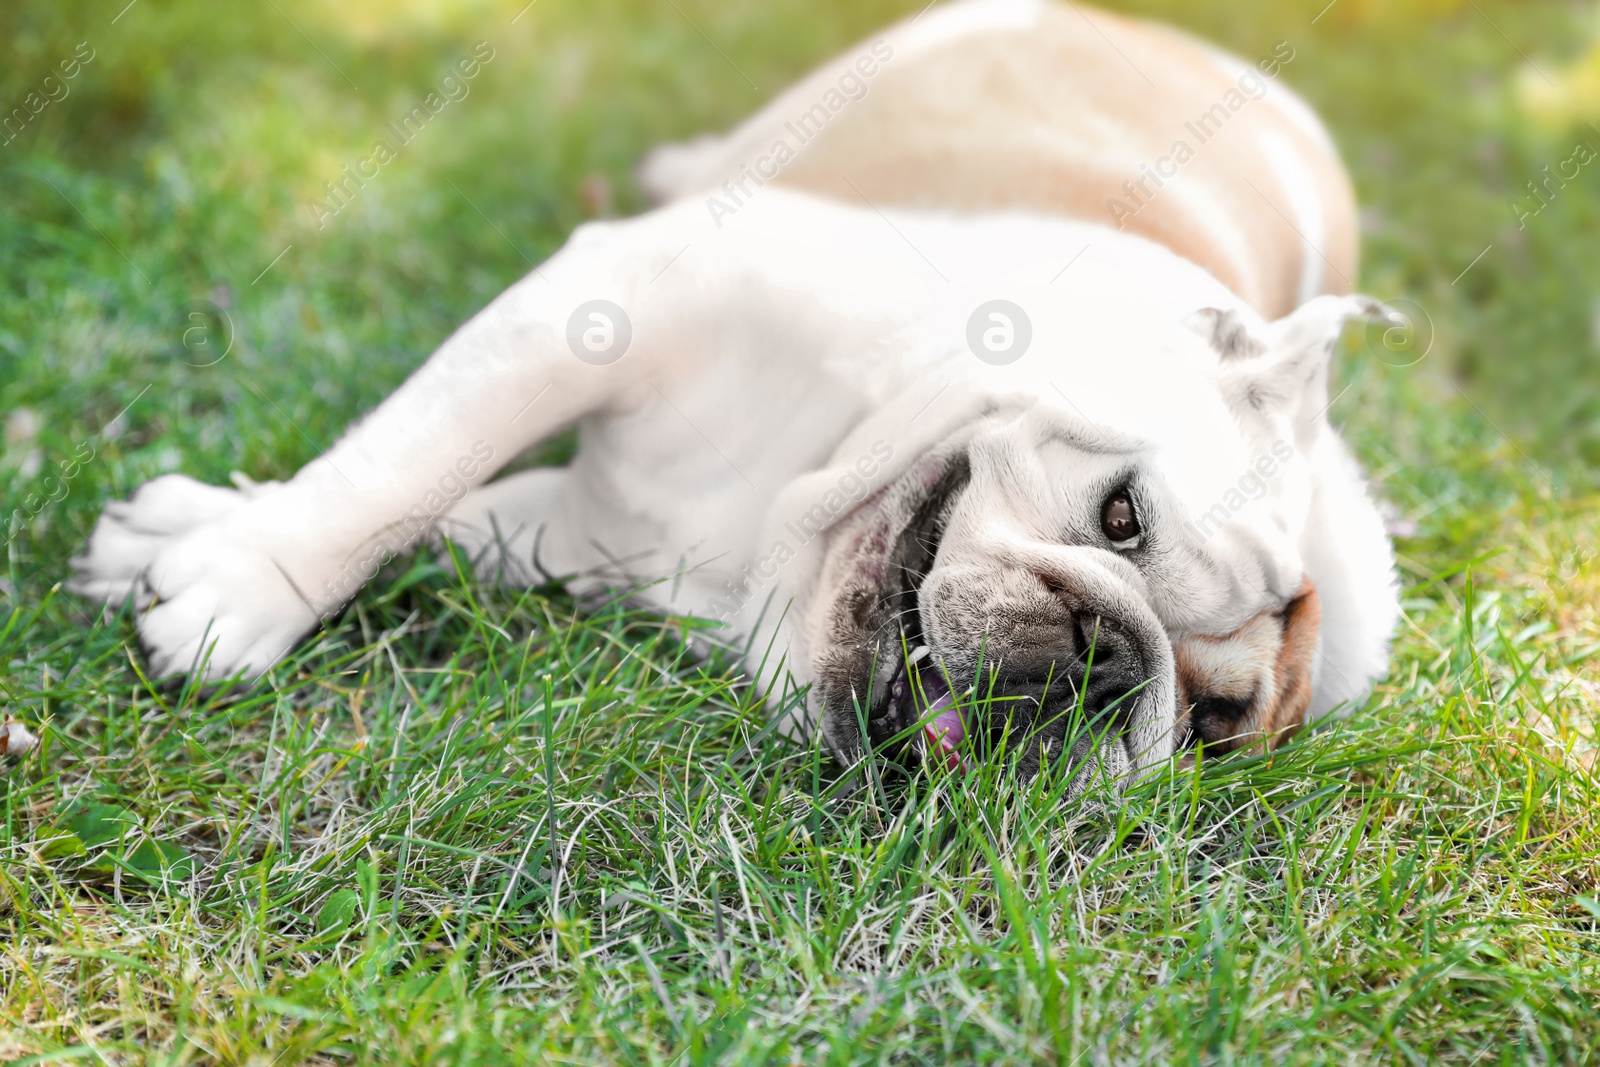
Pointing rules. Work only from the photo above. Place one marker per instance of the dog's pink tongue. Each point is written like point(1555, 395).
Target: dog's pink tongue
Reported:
point(942, 733)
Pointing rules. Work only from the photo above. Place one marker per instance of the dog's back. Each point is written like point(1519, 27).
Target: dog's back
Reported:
point(992, 105)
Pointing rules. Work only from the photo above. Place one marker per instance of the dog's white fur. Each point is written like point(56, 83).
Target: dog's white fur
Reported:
point(806, 354)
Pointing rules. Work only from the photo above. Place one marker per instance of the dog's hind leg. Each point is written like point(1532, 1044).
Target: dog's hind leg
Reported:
point(515, 530)
point(673, 170)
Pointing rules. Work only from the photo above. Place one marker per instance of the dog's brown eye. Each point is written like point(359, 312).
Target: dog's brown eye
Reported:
point(1117, 518)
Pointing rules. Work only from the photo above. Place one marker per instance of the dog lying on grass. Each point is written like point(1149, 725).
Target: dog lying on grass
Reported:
point(991, 359)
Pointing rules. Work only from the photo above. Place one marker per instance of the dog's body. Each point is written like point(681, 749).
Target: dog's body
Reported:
point(807, 415)
point(1058, 110)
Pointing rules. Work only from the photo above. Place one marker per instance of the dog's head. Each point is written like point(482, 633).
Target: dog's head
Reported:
point(1069, 578)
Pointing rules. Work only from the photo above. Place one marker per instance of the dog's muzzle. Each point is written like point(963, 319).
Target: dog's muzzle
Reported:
point(1039, 705)
point(998, 648)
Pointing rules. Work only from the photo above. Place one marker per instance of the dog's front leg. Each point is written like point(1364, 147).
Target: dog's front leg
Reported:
point(228, 580)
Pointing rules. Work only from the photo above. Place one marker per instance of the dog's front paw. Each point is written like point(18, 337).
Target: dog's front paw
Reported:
point(131, 533)
point(209, 597)
point(219, 607)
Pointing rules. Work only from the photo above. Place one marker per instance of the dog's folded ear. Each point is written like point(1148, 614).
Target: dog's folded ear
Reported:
point(1229, 332)
point(1281, 368)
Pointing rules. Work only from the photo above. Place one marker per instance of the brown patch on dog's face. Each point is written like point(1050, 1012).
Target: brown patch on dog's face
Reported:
point(1254, 684)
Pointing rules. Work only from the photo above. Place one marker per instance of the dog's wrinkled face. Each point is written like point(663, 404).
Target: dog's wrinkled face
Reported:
point(1069, 588)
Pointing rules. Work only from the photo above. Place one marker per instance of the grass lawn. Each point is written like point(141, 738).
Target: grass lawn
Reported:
point(468, 824)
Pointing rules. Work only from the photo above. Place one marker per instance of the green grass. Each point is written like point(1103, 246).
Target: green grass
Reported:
point(353, 862)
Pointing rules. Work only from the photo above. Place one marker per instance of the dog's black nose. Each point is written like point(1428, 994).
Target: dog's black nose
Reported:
point(1101, 639)
point(1102, 669)
point(1068, 694)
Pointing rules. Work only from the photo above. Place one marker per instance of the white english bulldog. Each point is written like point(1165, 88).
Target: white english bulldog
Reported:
point(979, 383)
